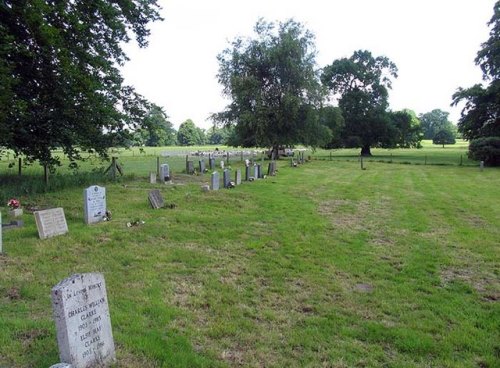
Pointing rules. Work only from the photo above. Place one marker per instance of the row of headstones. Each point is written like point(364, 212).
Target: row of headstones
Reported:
point(251, 173)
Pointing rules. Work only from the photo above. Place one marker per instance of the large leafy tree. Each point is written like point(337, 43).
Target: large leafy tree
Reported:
point(408, 131)
point(273, 87)
point(156, 129)
point(362, 82)
point(60, 83)
point(481, 114)
point(190, 135)
point(435, 121)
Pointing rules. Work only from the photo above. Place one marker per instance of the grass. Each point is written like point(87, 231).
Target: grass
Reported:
point(322, 265)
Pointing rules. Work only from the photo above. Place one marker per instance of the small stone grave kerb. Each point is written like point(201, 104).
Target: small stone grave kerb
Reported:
point(50, 222)
point(83, 323)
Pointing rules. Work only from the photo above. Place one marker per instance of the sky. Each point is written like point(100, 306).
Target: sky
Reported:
point(432, 42)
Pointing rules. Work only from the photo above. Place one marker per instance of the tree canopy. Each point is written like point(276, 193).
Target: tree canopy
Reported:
point(272, 83)
point(59, 77)
point(190, 135)
point(481, 114)
point(156, 130)
point(362, 82)
point(435, 121)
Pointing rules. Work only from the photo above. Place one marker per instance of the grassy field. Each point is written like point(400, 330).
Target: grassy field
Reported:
point(324, 265)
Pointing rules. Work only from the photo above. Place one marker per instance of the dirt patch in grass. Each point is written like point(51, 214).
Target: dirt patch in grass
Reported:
point(487, 285)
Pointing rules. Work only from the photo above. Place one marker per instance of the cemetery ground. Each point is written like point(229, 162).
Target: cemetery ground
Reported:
point(322, 265)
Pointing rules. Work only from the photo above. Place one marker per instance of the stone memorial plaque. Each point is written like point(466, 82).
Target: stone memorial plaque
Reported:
point(189, 167)
point(156, 199)
point(83, 324)
point(94, 204)
point(152, 177)
point(50, 222)
point(214, 181)
point(237, 178)
point(226, 178)
point(164, 173)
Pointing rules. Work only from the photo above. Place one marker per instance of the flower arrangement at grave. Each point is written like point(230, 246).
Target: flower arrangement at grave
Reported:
point(14, 207)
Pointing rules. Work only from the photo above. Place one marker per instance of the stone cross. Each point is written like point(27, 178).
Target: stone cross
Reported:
point(214, 181)
point(83, 323)
point(94, 204)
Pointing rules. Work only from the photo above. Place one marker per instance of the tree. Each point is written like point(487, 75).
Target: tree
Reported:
point(435, 121)
point(156, 129)
point(273, 86)
point(190, 135)
point(362, 82)
point(443, 137)
point(481, 114)
point(331, 117)
point(60, 82)
point(218, 135)
point(408, 130)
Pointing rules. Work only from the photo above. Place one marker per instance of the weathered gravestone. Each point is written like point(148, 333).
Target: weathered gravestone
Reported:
point(202, 166)
point(222, 165)
point(226, 179)
point(83, 324)
point(94, 204)
point(164, 173)
point(156, 199)
point(255, 171)
point(50, 222)
point(214, 181)
point(152, 177)
point(190, 167)
point(237, 178)
point(211, 162)
point(259, 171)
point(247, 173)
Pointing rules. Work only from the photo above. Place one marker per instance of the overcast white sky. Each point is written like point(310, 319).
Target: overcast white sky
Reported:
point(432, 42)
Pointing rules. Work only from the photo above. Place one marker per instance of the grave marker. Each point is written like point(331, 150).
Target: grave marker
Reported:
point(226, 178)
point(164, 173)
point(202, 166)
point(212, 163)
point(94, 204)
point(152, 177)
point(214, 181)
point(259, 171)
point(50, 222)
point(190, 167)
point(247, 173)
point(83, 324)
point(155, 199)
point(237, 179)
point(256, 171)
point(222, 165)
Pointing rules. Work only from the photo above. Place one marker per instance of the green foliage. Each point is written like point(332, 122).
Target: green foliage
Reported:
point(273, 87)
point(443, 137)
point(435, 121)
point(219, 135)
point(485, 149)
point(60, 82)
point(190, 135)
point(362, 82)
point(156, 130)
point(408, 129)
point(481, 114)
point(332, 118)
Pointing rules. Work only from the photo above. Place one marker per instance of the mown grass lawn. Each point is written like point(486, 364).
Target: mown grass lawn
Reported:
point(322, 265)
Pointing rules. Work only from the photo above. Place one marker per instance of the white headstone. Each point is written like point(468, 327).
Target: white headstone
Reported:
point(94, 204)
point(50, 222)
point(214, 181)
point(152, 177)
point(83, 324)
point(222, 165)
point(164, 173)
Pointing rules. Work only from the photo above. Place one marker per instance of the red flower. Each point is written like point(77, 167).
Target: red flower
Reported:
point(13, 204)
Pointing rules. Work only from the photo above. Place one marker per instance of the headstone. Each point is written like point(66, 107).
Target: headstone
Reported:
point(83, 324)
point(205, 188)
point(237, 178)
point(247, 173)
point(481, 165)
point(202, 166)
point(259, 171)
point(226, 178)
point(212, 163)
point(222, 165)
point(164, 173)
point(50, 222)
point(155, 199)
point(94, 204)
point(189, 167)
point(270, 168)
point(256, 171)
point(214, 181)
point(152, 177)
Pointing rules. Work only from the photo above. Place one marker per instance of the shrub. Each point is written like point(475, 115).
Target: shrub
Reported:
point(485, 149)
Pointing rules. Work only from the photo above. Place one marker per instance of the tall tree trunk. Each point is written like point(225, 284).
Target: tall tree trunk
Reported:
point(365, 150)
